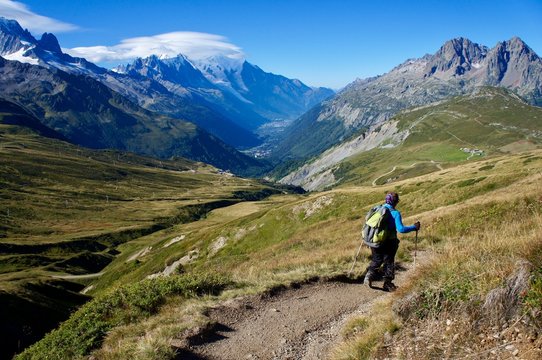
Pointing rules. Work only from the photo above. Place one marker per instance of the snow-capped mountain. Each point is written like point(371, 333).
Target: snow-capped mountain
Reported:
point(229, 97)
point(223, 71)
point(242, 90)
point(86, 112)
point(19, 45)
point(176, 74)
point(14, 41)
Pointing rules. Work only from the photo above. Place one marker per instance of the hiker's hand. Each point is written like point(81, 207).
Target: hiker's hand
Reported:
point(418, 225)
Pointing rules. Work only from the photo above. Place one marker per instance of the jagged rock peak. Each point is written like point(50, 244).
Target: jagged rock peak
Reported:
point(456, 57)
point(513, 64)
point(153, 61)
point(12, 27)
point(515, 46)
point(177, 61)
point(49, 42)
point(516, 42)
point(12, 37)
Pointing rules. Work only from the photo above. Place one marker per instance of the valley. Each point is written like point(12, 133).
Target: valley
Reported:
point(66, 210)
point(203, 208)
point(263, 247)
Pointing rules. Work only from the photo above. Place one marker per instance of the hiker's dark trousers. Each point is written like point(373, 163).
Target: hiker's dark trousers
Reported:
point(385, 254)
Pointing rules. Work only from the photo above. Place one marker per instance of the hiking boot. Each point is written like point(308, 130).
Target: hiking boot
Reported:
point(389, 286)
point(369, 279)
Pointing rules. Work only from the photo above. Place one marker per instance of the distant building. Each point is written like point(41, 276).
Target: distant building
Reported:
point(473, 151)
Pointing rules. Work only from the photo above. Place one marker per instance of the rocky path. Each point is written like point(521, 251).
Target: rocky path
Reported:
point(296, 323)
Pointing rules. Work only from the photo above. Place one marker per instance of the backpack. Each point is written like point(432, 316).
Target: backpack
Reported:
point(375, 230)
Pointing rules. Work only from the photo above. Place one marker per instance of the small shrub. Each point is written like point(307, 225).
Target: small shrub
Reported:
point(531, 159)
point(355, 326)
point(469, 182)
point(533, 298)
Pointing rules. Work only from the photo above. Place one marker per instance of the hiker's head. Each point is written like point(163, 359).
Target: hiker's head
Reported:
point(392, 198)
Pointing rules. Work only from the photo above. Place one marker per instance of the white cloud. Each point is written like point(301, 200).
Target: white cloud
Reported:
point(32, 21)
point(195, 45)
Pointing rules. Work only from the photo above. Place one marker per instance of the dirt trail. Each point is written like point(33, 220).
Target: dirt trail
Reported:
point(389, 172)
point(297, 323)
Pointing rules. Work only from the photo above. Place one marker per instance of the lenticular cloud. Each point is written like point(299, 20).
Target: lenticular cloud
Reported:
point(195, 45)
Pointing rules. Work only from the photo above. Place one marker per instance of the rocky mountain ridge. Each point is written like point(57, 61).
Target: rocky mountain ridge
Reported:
point(243, 90)
point(21, 46)
point(458, 67)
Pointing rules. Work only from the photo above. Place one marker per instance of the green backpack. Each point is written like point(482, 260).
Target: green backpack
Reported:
point(375, 230)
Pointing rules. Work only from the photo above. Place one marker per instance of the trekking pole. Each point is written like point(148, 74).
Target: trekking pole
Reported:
point(415, 248)
point(355, 259)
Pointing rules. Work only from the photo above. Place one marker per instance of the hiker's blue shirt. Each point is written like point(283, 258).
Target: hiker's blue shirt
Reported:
point(399, 221)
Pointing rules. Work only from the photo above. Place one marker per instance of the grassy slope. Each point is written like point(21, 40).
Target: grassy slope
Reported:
point(292, 238)
point(66, 210)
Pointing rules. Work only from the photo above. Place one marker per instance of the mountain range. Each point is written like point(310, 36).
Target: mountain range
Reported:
point(230, 98)
point(249, 95)
point(458, 67)
point(457, 133)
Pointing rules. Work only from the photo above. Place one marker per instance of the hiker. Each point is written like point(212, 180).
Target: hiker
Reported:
point(385, 253)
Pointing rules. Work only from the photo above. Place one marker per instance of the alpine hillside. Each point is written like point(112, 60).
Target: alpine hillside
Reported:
point(485, 123)
point(270, 278)
point(458, 67)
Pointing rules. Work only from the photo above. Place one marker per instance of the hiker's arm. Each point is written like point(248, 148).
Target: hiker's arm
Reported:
point(399, 223)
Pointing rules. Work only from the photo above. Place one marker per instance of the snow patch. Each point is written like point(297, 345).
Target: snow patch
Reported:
point(224, 72)
point(20, 57)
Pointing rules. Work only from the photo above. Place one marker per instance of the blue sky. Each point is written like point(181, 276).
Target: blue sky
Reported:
point(320, 42)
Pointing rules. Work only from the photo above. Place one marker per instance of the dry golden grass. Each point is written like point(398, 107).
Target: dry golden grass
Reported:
point(469, 238)
point(468, 263)
point(360, 343)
